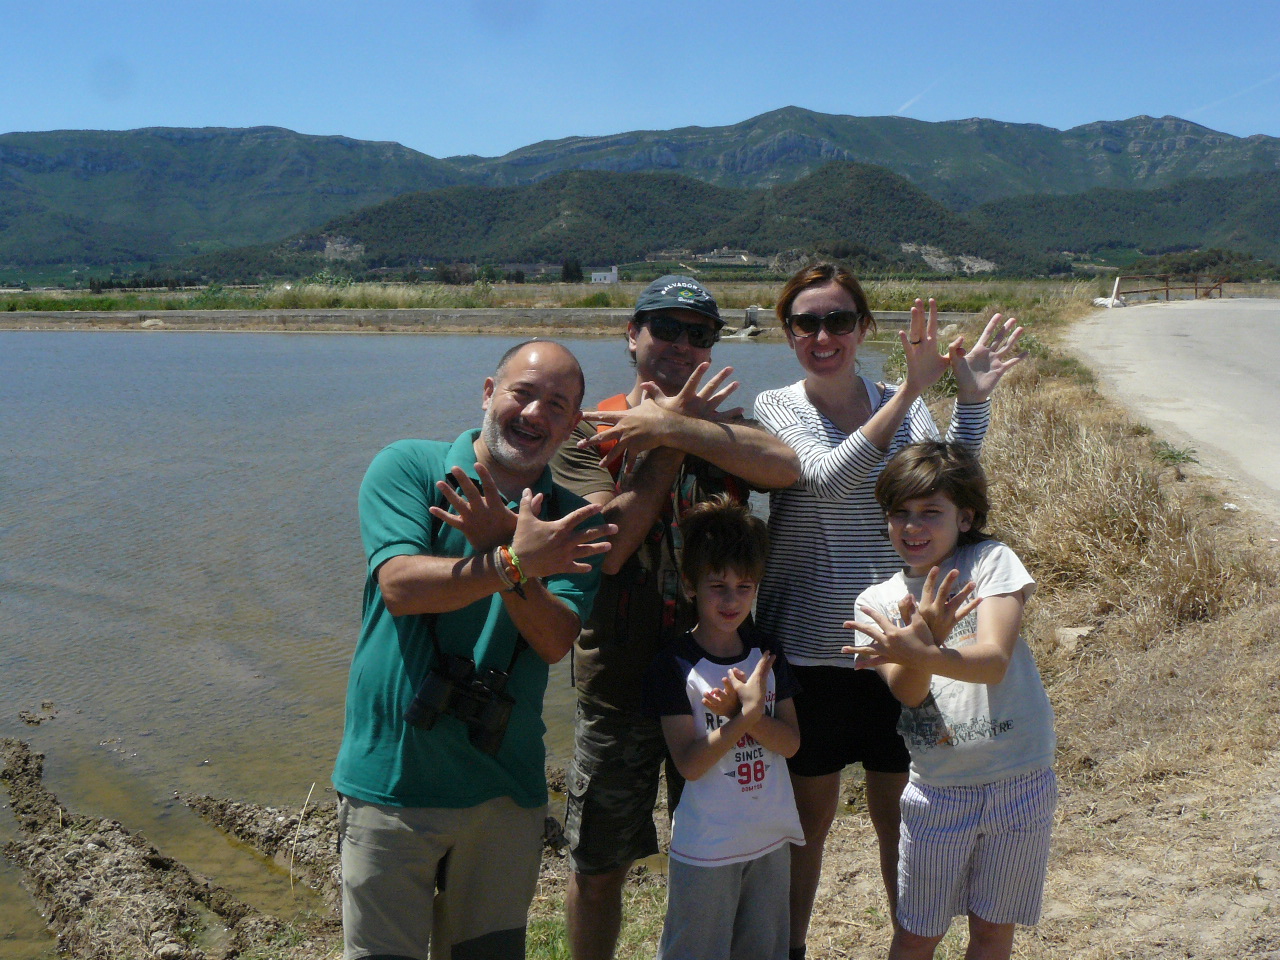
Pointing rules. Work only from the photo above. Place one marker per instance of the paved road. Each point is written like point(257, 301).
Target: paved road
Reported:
point(1202, 373)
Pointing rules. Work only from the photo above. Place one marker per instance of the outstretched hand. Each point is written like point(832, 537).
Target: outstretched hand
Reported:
point(908, 644)
point(702, 401)
point(481, 513)
point(753, 691)
point(925, 364)
point(550, 547)
point(656, 420)
point(978, 371)
point(940, 609)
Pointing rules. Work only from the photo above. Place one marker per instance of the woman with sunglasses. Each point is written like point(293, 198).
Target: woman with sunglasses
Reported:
point(828, 540)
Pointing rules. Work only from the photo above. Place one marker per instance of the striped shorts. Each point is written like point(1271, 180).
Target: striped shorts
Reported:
point(981, 849)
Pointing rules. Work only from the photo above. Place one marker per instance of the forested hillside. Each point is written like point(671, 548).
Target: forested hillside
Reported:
point(851, 210)
point(1238, 213)
point(108, 197)
point(866, 215)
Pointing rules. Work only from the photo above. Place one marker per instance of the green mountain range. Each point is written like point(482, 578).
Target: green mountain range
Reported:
point(859, 212)
point(102, 198)
point(960, 162)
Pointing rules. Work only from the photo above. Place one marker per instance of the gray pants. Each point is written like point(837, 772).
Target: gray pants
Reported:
point(735, 912)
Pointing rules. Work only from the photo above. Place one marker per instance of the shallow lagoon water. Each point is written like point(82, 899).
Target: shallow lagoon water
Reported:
point(180, 567)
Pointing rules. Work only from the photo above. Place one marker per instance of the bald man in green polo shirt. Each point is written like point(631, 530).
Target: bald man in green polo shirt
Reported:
point(480, 572)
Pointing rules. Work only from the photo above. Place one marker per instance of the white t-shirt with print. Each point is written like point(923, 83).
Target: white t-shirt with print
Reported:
point(965, 734)
point(743, 807)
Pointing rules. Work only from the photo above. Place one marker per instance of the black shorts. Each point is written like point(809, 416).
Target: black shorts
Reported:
point(846, 716)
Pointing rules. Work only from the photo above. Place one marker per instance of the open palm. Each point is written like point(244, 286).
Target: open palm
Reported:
point(978, 371)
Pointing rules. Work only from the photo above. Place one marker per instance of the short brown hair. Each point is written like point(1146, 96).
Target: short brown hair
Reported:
point(822, 275)
point(721, 534)
point(923, 469)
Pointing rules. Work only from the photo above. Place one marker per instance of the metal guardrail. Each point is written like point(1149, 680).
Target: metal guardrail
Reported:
point(1167, 283)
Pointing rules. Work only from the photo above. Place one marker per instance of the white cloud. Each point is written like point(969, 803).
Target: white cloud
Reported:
point(1239, 93)
point(912, 102)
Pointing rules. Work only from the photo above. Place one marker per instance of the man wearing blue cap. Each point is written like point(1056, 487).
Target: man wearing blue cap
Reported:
point(658, 449)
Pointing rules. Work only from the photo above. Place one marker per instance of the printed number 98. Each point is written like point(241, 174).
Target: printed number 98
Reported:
point(751, 772)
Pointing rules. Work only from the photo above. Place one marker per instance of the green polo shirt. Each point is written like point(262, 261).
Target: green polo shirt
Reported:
point(385, 760)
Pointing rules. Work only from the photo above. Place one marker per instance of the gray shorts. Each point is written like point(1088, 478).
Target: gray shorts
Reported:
point(738, 910)
point(455, 882)
point(612, 786)
point(982, 850)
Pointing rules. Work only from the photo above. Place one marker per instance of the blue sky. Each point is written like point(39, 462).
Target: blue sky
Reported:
point(487, 76)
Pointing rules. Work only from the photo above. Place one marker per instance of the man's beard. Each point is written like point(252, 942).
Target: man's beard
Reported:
point(503, 452)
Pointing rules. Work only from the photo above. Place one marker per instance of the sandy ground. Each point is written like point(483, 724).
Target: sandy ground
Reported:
point(1196, 875)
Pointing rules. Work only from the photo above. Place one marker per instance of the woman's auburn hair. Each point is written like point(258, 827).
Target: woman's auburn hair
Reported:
point(822, 275)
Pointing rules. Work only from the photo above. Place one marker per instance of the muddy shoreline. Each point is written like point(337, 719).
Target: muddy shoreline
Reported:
point(495, 321)
point(109, 894)
point(508, 321)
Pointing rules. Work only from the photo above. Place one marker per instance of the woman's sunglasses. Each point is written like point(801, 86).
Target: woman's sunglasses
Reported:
point(668, 329)
point(837, 322)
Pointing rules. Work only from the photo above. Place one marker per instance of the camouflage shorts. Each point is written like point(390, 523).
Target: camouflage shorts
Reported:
point(612, 786)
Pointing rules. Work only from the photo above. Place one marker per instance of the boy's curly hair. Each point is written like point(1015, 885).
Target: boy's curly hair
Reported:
point(922, 469)
point(721, 534)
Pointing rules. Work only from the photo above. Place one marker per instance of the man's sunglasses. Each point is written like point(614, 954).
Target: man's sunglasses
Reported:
point(837, 322)
point(668, 329)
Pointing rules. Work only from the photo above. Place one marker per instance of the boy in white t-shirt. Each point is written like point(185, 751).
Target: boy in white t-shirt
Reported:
point(977, 813)
point(723, 695)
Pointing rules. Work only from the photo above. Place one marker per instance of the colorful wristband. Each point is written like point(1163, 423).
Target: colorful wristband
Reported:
point(501, 569)
point(508, 567)
point(515, 562)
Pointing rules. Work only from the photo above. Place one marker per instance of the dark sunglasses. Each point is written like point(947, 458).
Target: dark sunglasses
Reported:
point(837, 322)
point(668, 329)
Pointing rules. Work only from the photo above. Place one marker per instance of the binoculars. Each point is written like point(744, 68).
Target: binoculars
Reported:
point(455, 688)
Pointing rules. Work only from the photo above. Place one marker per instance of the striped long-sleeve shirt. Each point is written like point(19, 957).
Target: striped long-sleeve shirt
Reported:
point(827, 532)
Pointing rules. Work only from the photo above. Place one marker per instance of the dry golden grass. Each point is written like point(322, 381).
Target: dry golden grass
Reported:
point(386, 296)
point(622, 296)
point(1179, 597)
point(1039, 298)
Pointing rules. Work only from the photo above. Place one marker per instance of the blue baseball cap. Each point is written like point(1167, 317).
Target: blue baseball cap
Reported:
point(674, 292)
